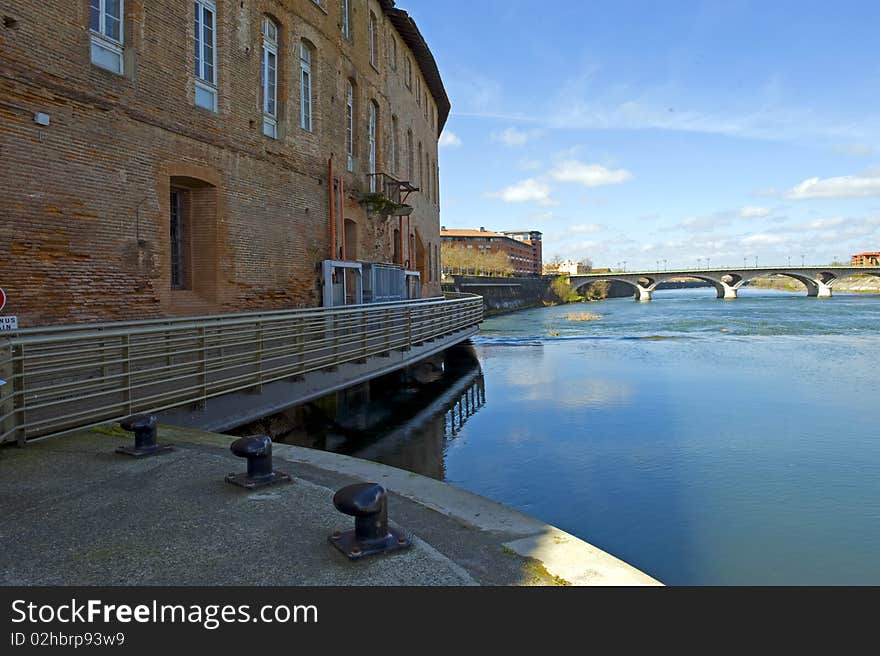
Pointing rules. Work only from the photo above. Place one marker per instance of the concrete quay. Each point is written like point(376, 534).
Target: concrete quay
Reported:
point(77, 513)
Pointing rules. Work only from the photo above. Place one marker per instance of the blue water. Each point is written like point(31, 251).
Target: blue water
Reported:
point(703, 441)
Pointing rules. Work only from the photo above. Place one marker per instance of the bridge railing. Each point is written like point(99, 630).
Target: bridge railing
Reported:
point(65, 378)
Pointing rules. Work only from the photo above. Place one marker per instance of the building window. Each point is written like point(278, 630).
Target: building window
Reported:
point(346, 19)
point(374, 117)
point(269, 78)
point(349, 125)
point(374, 42)
point(426, 105)
point(105, 21)
point(408, 72)
point(393, 54)
point(421, 179)
point(410, 163)
point(305, 64)
point(178, 240)
point(418, 91)
point(395, 148)
point(206, 54)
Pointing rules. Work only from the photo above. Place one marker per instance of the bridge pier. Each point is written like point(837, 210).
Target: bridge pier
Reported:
point(725, 291)
point(819, 290)
point(643, 294)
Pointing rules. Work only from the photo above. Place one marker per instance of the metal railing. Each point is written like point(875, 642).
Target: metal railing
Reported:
point(65, 378)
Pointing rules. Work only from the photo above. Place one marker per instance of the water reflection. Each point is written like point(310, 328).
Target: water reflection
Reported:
point(402, 420)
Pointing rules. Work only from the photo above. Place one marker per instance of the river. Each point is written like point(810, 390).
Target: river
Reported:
point(702, 441)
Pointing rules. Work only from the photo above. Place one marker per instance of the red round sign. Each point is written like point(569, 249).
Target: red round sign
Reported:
point(2, 299)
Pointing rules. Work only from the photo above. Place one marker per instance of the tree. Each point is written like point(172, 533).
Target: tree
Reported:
point(457, 258)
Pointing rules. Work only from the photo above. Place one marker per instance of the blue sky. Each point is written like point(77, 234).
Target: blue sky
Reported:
point(676, 130)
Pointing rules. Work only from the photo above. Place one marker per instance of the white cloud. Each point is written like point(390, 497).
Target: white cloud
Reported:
point(822, 224)
point(514, 137)
point(449, 140)
point(753, 212)
point(848, 186)
point(763, 239)
point(540, 216)
point(589, 175)
point(530, 190)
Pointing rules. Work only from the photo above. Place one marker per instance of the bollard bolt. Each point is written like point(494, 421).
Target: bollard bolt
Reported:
point(368, 504)
point(258, 451)
point(145, 445)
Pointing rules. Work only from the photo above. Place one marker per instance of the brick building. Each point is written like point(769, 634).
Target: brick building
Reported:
point(866, 259)
point(171, 157)
point(522, 247)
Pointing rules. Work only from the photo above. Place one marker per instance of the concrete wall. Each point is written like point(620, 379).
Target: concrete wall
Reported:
point(84, 214)
point(505, 294)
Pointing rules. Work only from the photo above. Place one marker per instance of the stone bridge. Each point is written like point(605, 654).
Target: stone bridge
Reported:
point(819, 280)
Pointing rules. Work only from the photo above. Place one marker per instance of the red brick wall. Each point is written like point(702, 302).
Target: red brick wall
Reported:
point(84, 232)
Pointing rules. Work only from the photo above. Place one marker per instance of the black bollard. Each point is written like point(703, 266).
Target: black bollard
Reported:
point(258, 451)
point(368, 504)
point(145, 445)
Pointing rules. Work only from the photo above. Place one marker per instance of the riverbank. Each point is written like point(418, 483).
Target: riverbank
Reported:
point(84, 515)
point(504, 295)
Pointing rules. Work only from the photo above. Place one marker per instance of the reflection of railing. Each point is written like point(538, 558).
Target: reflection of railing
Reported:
point(61, 379)
point(471, 400)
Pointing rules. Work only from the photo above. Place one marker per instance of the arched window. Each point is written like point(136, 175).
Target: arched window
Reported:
point(305, 87)
point(421, 180)
point(373, 125)
point(374, 42)
point(349, 124)
point(269, 77)
point(206, 54)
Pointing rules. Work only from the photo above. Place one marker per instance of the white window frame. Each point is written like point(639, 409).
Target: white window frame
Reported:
point(346, 19)
point(105, 46)
point(270, 47)
point(305, 86)
point(206, 89)
point(373, 121)
point(349, 125)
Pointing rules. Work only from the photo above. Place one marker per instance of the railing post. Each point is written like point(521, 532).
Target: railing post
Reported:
point(364, 347)
point(259, 387)
point(126, 375)
point(203, 355)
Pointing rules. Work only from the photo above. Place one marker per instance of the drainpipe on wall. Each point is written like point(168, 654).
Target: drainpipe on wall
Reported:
point(332, 212)
point(342, 215)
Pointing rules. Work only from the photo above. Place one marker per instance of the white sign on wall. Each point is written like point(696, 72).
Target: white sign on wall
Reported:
point(8, 324)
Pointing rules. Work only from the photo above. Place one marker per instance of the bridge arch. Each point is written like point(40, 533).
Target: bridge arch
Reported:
point(639, 292)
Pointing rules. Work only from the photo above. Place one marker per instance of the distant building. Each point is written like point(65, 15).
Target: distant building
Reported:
point(866, 259)
point(568, 267)
point(523, 248)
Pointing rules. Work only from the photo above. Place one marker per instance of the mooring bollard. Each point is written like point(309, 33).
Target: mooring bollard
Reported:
point(258, 451)
point(145, 445)
point(368, 504)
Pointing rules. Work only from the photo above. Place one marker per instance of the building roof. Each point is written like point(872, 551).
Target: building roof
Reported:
point(409, 32)
point(472, 233)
